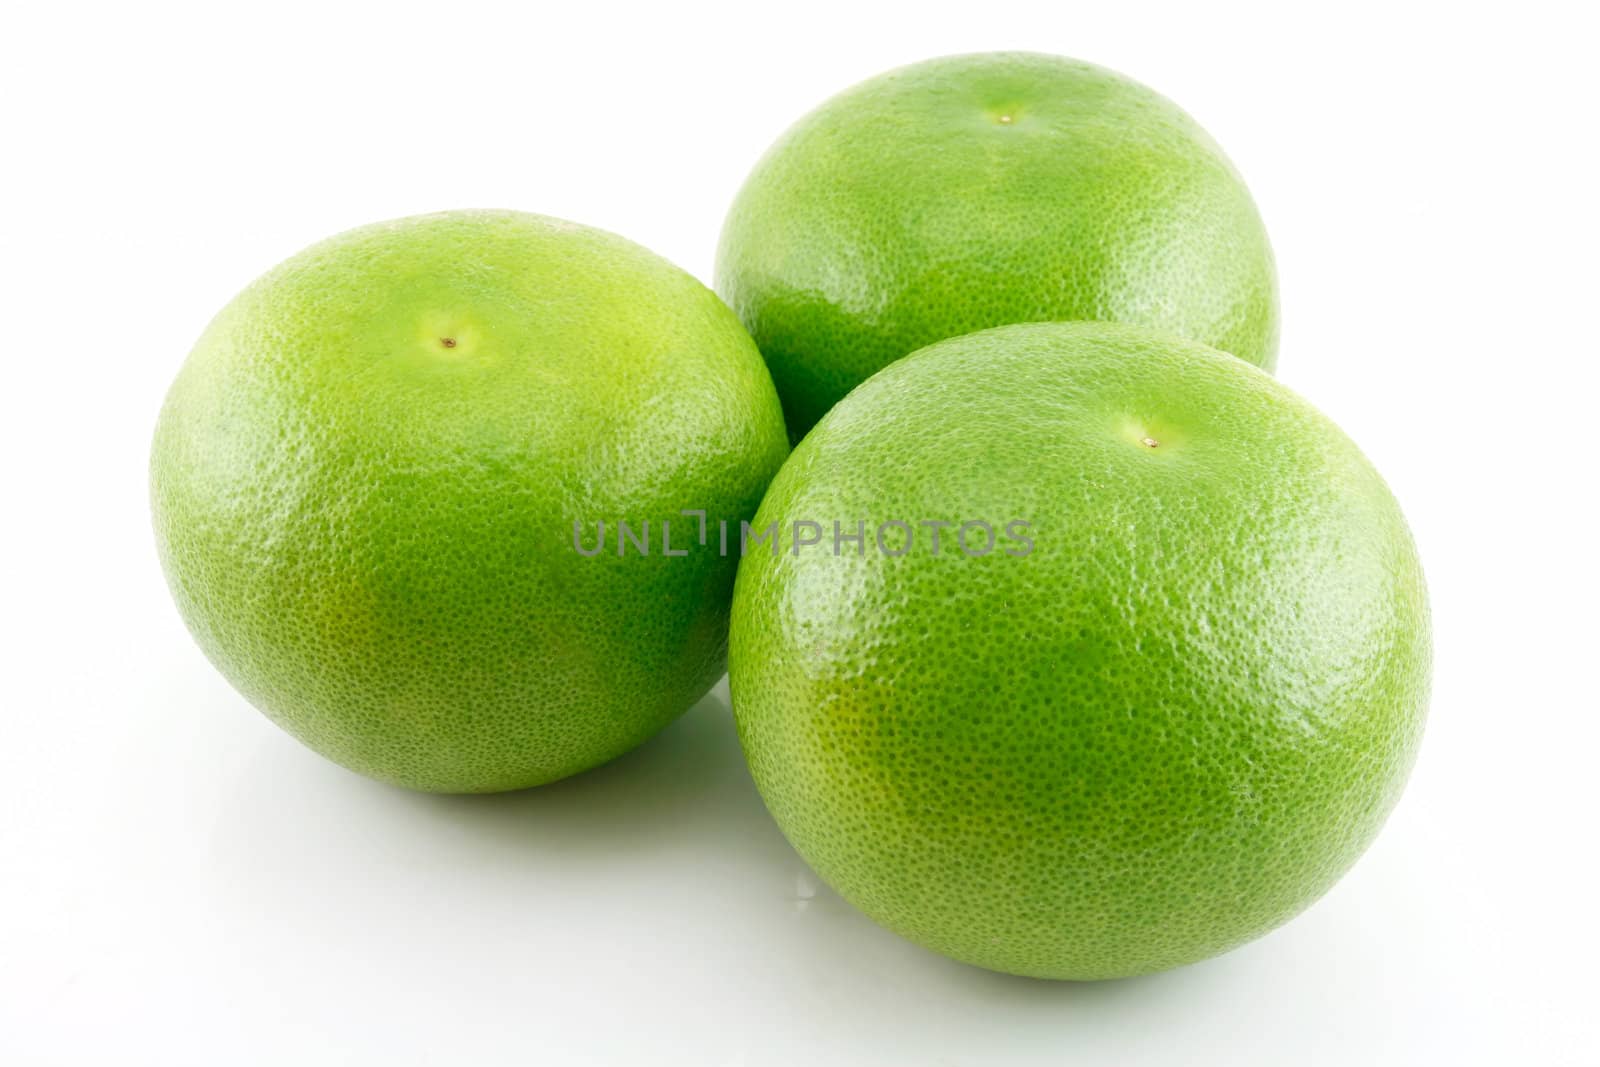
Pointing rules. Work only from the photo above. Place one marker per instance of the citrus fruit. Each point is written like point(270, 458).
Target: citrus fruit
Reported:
point(1157, 710)
point(367, 476)
point(973, 191)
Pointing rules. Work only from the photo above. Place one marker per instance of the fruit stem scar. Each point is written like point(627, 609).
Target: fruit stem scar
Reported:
point(1005, 120)
point(1149, 442)
point(448, 342)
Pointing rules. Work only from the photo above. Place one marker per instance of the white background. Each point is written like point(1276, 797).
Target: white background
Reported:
point(182, 884)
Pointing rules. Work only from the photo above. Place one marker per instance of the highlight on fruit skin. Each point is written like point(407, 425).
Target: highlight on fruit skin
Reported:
point(1166, 729)
point(365, 479)
point(973, 191)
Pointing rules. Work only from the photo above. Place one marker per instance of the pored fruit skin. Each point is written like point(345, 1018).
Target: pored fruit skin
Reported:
point(1164, 731)
point(977, 190)
point(365, 478)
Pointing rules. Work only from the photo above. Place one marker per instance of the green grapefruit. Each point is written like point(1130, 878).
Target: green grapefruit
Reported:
point(1154, 722)
point(977, 190)
point(366, 476)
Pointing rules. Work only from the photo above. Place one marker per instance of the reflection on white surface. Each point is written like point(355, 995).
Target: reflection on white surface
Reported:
point(257, 899)
point(805, 889)
point(658, 885)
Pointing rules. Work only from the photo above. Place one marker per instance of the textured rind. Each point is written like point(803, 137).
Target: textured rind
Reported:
point(978, 190)
point(1163, 732)
point(369, 531)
